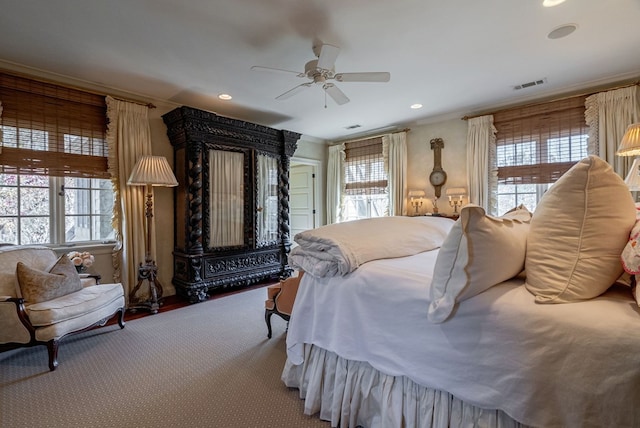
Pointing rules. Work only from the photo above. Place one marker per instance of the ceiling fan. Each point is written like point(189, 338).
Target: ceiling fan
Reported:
point(321, 71)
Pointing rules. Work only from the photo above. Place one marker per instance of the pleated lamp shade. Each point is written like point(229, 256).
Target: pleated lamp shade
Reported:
point(456, 191)
point(416, 194)
point(630, 144)
point(154, 171)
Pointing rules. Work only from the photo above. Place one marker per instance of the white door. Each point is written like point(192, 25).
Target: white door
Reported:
point(302, 212)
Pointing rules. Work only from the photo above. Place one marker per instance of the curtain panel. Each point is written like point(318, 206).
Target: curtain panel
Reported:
point(335, 182)
point(128, 137)
point(394, 149)
point(226, 187)
point(608, 114)
point(482, 172)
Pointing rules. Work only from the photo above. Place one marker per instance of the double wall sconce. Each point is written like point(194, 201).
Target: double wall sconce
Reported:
point(456, 195)
point(415, 199)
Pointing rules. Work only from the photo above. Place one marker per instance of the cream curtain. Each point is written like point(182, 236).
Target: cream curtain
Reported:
point(335, 183)
point(226, 186)
point(267, 199)
point(608, 114)
point(129, 137)
point(394, 149)
point(482, 172)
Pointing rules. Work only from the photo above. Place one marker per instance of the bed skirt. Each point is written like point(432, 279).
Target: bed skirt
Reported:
point(352, 393)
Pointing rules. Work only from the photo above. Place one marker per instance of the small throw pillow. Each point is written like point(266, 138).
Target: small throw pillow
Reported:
point(479, 252)
point(38, 286)
point(578, 232)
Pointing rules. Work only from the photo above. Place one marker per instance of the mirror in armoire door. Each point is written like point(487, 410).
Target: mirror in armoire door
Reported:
point(226, 190)
point(266, 200)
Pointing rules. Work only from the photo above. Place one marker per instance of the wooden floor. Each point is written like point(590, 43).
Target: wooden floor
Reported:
point(170, 303)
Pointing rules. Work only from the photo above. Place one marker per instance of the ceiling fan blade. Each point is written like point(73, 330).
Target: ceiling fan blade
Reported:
point(374, 76)
point(292, 92)
point(334, 92)
point(276, 70)
point(327, 57)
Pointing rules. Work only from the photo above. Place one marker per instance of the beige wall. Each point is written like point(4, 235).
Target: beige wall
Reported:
point(420, 159)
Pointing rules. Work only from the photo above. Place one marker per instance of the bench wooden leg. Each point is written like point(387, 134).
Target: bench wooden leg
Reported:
point(52, 348)
point(121, 318)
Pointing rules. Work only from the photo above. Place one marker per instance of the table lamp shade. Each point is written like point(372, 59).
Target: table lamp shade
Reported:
point(456, 191)
point(630, 144)
point(154, 171)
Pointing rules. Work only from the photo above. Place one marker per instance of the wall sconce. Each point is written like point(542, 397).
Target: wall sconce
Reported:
point(630, 146)
point(415, 198)
point(456, 194)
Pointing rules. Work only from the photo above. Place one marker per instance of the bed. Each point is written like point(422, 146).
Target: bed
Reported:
point(390, 343)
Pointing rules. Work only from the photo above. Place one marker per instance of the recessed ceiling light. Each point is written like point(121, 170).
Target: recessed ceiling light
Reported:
point(562, 31)
point(416, 106)
point(225, 97)
point(551, 3)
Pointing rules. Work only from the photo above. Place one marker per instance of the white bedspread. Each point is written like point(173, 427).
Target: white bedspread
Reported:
point(565, 365)
point(340, 248)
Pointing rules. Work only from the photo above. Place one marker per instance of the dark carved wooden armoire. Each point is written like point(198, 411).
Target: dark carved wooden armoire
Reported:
point(232, 202)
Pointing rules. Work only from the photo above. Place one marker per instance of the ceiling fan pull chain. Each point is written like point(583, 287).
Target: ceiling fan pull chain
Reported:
point(325, 98)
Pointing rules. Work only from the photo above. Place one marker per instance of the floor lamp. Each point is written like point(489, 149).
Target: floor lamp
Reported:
point(150, 171)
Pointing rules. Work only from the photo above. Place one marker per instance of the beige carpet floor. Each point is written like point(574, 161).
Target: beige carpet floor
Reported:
point(204, 365)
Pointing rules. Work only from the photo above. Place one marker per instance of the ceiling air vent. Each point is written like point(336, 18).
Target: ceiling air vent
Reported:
point(353, 126)
point(530, 84)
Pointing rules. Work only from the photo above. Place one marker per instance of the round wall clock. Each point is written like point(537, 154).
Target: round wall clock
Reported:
point(438, 177)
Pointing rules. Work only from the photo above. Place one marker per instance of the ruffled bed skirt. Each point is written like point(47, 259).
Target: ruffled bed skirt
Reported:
point(352, 393)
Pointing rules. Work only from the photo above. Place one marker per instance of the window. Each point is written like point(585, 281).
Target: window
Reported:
point(535, 146)
point(54, 183)
point(366, 194)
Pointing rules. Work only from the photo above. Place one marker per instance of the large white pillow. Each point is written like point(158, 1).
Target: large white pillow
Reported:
point(578, 232)
point(479, 252)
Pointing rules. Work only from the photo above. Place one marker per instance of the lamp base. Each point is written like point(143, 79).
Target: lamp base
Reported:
point(148, 271)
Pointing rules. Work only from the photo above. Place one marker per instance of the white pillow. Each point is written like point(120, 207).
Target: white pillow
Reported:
point(479, 252)
point(578, 232)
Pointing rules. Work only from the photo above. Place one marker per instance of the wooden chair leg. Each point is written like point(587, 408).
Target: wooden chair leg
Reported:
point(52, 348)
point(267, 319)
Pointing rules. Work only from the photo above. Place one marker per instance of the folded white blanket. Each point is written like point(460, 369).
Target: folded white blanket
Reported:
point(339, 248)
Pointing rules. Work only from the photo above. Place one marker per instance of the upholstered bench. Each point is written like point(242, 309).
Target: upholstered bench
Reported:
point(280, 298)
point(42, 299)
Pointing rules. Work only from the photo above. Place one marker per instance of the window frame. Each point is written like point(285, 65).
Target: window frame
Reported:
point(539, 125)
point(372, 187)
point(57, 132)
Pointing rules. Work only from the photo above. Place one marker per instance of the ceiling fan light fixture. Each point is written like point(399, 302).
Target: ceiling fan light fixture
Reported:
point(562, 31)
point(321, 70)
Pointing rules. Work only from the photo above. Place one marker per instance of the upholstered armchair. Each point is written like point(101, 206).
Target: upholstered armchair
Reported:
point(280, 298)
point(43, 299)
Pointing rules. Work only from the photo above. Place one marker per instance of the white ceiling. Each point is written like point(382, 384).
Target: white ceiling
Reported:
point(455, 57)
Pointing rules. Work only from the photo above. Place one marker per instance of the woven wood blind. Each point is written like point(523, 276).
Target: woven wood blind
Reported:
point(364, 167)
point(52, 130)
point(537, 144)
